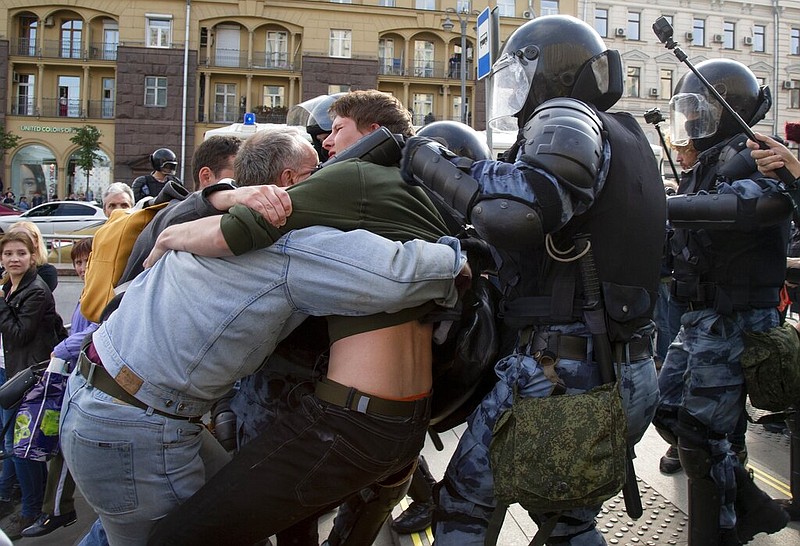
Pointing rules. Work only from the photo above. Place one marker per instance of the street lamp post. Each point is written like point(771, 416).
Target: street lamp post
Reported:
point(463, 17)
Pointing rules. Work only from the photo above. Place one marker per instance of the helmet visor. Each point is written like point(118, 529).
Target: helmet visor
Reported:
point(168, 167)
point(692, 117)
point(511, 82)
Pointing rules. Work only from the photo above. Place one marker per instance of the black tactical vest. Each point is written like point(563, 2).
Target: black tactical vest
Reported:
point(626, 227)
point(728, 270)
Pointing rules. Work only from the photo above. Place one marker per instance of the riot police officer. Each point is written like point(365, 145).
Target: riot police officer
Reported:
point(729, 249)
point(570, 173)
point(164, 163)
point(313, 115)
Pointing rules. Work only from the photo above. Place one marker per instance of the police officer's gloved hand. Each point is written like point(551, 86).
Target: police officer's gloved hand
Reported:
point(410, 148)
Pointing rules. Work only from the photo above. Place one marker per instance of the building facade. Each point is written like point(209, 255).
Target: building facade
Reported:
point(159, 73)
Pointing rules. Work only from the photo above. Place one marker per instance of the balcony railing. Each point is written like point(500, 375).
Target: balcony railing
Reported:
point(226, 114)
point(25, 47)
point(61, 50)
point(103, 109)
point(103, 51)
point(424, 69)
point(235, 58)
point(23, 107)
point(65, 108)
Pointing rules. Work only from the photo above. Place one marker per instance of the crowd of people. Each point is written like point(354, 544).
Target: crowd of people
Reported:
point(327, 274)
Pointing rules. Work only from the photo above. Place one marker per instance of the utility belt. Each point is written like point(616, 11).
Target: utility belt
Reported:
point(98, 377)
point(698, 296)
point(556, 345)
point(347, 397)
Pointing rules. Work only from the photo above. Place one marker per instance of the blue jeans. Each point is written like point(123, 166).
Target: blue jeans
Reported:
point(132, 468)
point(9, 476)
point(466, 501)
point(31, 475)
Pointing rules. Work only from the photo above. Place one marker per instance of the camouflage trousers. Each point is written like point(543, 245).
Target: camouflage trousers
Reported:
point(466, 499)
point(702, 374)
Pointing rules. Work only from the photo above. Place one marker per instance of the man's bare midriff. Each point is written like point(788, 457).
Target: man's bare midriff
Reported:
point(393, 362)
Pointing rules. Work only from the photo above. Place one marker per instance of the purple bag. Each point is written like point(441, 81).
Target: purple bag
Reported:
point(36, 425)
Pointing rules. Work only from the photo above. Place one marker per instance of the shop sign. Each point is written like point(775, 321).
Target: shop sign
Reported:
point(46, 129)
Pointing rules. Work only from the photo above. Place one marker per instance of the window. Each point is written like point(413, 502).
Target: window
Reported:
point(426, 4)
point(273, 96)
point(25, 94)
point(27, 35)
point(277, 48)
point(71, 39)
point(794, 41)
point(463, 6)
point(386, 3)
point(340, 43)
point(108, 98)
point(226, 106)
point(159, 31)
point(665, 83)
point(110, 42)
point(506, 8)
point(794, 95)
point(759, 38)
point(423, 59)
point(69, 96)
point(699, 32)
point(341, 1)
point(634, 81)
point(728, 35)
point(634, 25)
point(549, 7)
point(338, 88)
point(388, 64)
point(155, 91)
point(422, 105)
point(601, 22)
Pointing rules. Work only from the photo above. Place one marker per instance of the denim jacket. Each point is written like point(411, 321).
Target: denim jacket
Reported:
point(188, 328)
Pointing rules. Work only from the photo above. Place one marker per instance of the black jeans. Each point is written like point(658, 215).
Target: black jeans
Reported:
point(310, 460)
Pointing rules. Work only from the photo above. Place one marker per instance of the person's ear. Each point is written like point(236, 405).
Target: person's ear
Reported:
point(205, 176)
point(286, 178)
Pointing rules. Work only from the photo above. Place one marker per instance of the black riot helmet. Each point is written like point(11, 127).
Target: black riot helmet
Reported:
point(313, 115)
point(549, 57)
point(697, 115)
point(164, 160)
point(459, 138)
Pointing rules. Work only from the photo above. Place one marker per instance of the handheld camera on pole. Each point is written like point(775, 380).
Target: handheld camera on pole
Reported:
point(664, 32)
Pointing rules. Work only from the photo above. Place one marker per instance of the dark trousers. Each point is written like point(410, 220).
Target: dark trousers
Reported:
point(310, 460)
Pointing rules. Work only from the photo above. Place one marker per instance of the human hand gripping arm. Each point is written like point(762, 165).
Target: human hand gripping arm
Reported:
point(204, 236)
point(774, 157)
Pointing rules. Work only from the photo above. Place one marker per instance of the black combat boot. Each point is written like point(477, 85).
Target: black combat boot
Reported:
point(756, 512)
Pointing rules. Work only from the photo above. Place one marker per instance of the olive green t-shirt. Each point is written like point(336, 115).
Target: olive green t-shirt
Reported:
point(349, 195)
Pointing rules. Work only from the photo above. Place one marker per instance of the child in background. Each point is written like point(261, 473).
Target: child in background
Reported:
point(58, 508)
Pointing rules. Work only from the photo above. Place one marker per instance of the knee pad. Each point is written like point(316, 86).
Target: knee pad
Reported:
point(693, 448)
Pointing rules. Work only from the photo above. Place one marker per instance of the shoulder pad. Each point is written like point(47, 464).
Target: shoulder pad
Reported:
point(565, 137)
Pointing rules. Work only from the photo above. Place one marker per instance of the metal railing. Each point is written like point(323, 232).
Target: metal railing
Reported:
point(60, 246)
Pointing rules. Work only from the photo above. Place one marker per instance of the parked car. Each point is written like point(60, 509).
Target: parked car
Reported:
point(7, 209)
point(58, 217)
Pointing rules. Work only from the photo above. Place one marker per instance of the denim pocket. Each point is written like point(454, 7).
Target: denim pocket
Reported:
point(337, 471)
point(107, 469)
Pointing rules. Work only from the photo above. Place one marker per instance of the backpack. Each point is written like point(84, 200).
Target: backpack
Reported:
point(111, 249)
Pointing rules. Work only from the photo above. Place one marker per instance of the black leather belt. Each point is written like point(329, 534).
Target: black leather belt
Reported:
point(574, 348)
point(99, 378)
point(350, 398)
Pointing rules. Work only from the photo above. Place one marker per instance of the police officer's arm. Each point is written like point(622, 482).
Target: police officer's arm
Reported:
point(516, 205)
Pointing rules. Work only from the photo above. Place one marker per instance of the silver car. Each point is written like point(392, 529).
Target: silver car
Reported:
point(58, 217)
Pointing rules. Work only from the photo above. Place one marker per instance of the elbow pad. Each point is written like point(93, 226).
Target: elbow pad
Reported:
point(427, 163)
point(728, 211)
point(564, 137)
point(508, 223)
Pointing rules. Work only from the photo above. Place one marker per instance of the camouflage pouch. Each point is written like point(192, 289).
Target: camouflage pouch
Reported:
point(560, 452)
point(771, 366)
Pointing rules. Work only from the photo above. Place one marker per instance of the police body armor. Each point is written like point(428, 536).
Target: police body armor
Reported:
point(627, 260)
point(728, 269)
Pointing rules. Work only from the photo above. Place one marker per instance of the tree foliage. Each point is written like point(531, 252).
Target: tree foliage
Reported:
point(8, 140)
point(87, 138)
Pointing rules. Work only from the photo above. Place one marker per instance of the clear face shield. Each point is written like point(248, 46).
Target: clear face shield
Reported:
point(511, 82)
point(299, 113)
point(692, 116)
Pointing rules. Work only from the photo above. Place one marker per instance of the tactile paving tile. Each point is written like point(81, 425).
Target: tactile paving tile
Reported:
point(661, 522)
point(778, 438)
